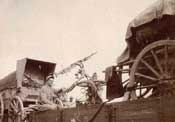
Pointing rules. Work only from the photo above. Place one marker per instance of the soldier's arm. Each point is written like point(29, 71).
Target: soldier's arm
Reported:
point(44, 99)
point(57, 91)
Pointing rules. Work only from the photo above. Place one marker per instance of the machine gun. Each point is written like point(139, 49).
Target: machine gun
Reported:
point(91, 82)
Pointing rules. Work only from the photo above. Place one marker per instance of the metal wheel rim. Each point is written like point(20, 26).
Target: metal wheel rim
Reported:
point(2, 108)
point(148, 48)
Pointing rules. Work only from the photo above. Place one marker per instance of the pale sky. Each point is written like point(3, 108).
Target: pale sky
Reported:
point(63, 31)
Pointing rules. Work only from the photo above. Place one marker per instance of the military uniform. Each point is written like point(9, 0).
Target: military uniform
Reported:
point(47, 95)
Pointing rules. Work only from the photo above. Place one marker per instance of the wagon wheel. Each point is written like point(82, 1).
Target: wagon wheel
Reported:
point(152, 73)
point(1, 109)
point(16, 110)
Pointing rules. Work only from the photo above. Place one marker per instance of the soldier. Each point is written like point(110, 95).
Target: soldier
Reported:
point(48, 95)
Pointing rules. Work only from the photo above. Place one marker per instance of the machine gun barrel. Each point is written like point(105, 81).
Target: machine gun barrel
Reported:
point(73, 65)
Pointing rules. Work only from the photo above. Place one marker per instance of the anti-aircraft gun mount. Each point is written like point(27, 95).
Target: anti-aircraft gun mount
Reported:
point(84, 80)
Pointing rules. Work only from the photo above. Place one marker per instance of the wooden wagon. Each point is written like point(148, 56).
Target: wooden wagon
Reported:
point(158, 109)
point(20, 89)
point(149, 59)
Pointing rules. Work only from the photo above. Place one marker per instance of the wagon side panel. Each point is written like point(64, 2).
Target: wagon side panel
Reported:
point(136, 111)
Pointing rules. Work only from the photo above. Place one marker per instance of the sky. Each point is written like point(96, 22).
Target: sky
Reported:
point(64, 31)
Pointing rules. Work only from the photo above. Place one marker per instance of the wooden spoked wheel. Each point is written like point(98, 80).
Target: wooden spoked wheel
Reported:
point(153, 71)
point(16, 110)
point(1, 109)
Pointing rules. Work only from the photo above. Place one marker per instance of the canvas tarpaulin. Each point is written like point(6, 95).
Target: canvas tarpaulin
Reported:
point(8, 82)
point(149, 24)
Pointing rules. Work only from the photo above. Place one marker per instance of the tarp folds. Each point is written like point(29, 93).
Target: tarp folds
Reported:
point(154, 23)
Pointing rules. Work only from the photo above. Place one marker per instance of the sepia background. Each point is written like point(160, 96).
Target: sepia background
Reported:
point(64, 31)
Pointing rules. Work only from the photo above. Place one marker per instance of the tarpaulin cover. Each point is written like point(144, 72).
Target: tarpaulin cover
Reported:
point(8, 82)
point(153, 14)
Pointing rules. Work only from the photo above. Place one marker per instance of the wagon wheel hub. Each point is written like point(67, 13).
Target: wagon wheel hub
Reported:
point(167, 82)
point(166, 79)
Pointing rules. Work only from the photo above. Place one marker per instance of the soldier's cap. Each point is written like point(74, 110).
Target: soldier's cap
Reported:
point(51, 75)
